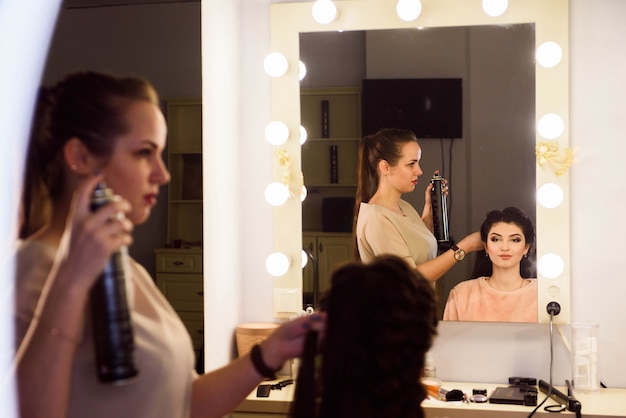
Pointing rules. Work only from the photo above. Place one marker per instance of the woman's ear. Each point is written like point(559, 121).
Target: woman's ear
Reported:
point(78, 157)
point(383, 166)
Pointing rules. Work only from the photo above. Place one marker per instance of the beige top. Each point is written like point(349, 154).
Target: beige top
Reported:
point(163, 350)
point(475, 300)
point(382, 231)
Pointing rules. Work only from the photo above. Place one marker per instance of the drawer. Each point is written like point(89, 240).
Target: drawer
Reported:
point(183, 291)
point(194, 322)
point(179, 263)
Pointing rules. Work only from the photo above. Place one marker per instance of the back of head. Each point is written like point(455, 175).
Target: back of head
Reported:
point(89, 106)
point(380, 322)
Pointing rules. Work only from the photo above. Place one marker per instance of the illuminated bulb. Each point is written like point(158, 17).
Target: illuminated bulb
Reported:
point(303, 135)
point(275, 64)
point(276, 133)
point(301, 70)
point(305, 258)
point(277, 264)
point(276, 194)
point(303, 193)
point(495, 8)
point(549, 54)
point(409, 10)
point(324, 11)
point(550, 126)
point(550, 265)
point(550, 195)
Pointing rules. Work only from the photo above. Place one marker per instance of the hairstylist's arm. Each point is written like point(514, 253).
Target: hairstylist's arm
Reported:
point(44, 356)
point(438, 266)
point(218, 392)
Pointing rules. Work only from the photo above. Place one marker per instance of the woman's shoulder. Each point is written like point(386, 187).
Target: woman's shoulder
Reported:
point(470, 285)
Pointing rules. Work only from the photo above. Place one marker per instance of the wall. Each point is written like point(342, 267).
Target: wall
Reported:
point(160, 42)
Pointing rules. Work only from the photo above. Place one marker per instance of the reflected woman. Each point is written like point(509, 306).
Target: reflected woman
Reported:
point(506, 290)
point(389, 166)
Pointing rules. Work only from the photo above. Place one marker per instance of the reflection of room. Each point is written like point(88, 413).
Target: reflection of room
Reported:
point(493, 165)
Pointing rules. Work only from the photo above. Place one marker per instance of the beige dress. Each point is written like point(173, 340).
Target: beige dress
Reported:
point(382, 231)
point(475, 300)
point(163, 350)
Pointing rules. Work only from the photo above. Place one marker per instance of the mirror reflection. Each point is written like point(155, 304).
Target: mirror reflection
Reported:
point(491, 166)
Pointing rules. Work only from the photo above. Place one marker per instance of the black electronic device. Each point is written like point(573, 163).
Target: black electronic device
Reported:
point(113, 334)
point(430, 107)
point(572, 403)
point(263, 391)
point(514, 395)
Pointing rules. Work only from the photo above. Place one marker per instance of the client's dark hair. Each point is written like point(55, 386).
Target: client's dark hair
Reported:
point(483, 265)
point(381, 321)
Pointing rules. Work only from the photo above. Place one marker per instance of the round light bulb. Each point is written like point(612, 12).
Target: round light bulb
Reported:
point(276, 194)
point(303, 193)
point(275, 64)
point(550, 126)
point(408, 10)
point(301, 70)
point(550, 195)
point(305, 259)
point(277, 264)
point(324, 11)
point(550, 265)
point(549, 54)
point(276, 133)
point(303, 135)
point(495, 8)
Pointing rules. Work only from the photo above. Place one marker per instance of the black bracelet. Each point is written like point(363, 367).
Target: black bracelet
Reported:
point(259, 365)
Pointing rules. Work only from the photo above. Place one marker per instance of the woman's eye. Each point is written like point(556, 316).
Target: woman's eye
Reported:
point(145, 152)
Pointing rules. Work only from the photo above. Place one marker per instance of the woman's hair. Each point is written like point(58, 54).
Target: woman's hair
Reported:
point(483, 265)
point(89, 106)
point(386, 144)
point(381, 321)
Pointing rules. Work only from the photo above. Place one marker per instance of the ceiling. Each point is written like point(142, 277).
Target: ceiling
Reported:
point(85, 4)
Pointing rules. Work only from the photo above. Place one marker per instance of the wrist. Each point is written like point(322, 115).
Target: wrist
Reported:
point(259, 362)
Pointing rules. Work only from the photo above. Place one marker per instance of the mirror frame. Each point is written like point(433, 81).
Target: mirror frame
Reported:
point(551, 19)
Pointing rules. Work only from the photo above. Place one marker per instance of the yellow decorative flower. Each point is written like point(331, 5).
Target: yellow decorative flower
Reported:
point(285, 162)
point(547, 153)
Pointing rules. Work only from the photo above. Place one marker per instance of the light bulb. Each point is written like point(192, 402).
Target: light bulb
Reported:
point(275, 64)
point(409, 10)
point(550, 265)
point(303, 193)
point(550, 195)
point(324, 11)
point(495, 8)
point(277, 264)
point(276, 194)
point(303, 135)
point(305, 258)
point(549, 54)
point(301, 70)
point(550, 126)
point(276, 133)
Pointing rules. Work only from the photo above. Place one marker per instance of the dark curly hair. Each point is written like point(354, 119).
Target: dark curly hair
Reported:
point(381, 321)
point(483, 265)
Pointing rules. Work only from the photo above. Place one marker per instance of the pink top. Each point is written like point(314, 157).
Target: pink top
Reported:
point(163, 350)
point(475, 300)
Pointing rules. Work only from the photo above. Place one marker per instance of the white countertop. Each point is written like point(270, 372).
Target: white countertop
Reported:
point(606, 403)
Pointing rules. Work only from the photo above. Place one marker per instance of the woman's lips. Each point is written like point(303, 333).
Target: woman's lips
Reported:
point(151, 199)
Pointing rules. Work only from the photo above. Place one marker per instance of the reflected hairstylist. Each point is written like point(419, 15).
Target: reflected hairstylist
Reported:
point(389, 166)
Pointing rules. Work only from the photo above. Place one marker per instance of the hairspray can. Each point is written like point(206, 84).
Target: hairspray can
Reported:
point(440, 209)
point(113, 334)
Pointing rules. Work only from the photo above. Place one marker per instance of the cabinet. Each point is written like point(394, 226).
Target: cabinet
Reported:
point(329, 250)
point(184, 156)
point(179, 277)
point(343, 119)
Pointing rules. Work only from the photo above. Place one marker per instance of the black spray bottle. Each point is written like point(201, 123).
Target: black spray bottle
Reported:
point(113, 334)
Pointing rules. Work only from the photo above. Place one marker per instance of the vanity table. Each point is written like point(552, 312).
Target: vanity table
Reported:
point(607, 403)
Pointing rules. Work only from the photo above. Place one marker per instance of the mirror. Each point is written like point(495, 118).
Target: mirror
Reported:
point(551, 97)
point(496, 66)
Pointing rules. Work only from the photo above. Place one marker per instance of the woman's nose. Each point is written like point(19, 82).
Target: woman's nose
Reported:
point(161, 174)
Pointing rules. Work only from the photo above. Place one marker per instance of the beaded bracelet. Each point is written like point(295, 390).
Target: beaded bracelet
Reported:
point(259, 365)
